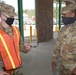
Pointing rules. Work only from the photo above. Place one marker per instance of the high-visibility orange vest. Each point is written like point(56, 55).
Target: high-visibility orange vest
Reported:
point(9, 49)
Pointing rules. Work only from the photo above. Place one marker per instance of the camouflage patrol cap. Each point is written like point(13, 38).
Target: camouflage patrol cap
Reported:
point(68, 8)
point(71, 1)
point(8, 9)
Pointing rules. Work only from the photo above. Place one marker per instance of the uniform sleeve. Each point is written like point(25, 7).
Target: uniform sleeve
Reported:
point(1, 69)
point(1, 64)
point(21, 46)
point(56, 52)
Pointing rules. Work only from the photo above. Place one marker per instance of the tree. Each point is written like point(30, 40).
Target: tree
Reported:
point(2, 1)
point(29, 12)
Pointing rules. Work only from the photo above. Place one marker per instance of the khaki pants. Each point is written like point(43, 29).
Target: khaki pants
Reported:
point(17, 71)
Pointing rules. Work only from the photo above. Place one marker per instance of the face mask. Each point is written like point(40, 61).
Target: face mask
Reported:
point(9, 21)
point(68, 20)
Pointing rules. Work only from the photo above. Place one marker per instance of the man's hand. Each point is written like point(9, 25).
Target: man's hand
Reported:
point(74, 71)
point(27, 47)
point(3, 73)
point(53, 65)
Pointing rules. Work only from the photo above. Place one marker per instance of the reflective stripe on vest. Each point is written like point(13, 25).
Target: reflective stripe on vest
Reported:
point(6, 48)
point(16, 32)
point(18, 39)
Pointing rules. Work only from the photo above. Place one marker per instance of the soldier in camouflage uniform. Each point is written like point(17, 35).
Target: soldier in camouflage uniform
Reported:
point(66, 42)
point(8, 11)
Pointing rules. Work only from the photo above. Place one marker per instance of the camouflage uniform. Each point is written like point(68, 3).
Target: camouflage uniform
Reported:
point(8, 9)
point(66, 45)
point(71, 1)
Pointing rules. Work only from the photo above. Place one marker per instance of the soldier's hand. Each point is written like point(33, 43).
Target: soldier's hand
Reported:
point(74, 71)
point(3, 73)
point(53, 65)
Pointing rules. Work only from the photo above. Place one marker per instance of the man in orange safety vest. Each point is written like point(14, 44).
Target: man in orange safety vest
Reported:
point(10, 42)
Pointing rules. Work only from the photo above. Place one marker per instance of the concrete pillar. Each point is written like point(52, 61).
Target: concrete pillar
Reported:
point(44, 20)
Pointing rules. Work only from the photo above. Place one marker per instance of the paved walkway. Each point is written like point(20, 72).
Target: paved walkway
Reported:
point(38, 60)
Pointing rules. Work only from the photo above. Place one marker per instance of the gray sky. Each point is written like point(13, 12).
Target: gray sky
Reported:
point(27, 4)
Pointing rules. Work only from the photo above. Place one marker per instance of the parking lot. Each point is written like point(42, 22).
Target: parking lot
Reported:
point(27, 29)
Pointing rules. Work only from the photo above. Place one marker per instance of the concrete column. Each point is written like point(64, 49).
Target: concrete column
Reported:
point(44, 20)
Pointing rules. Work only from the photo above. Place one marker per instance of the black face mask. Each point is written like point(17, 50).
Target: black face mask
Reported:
point(9, 21)
point(68, 20)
